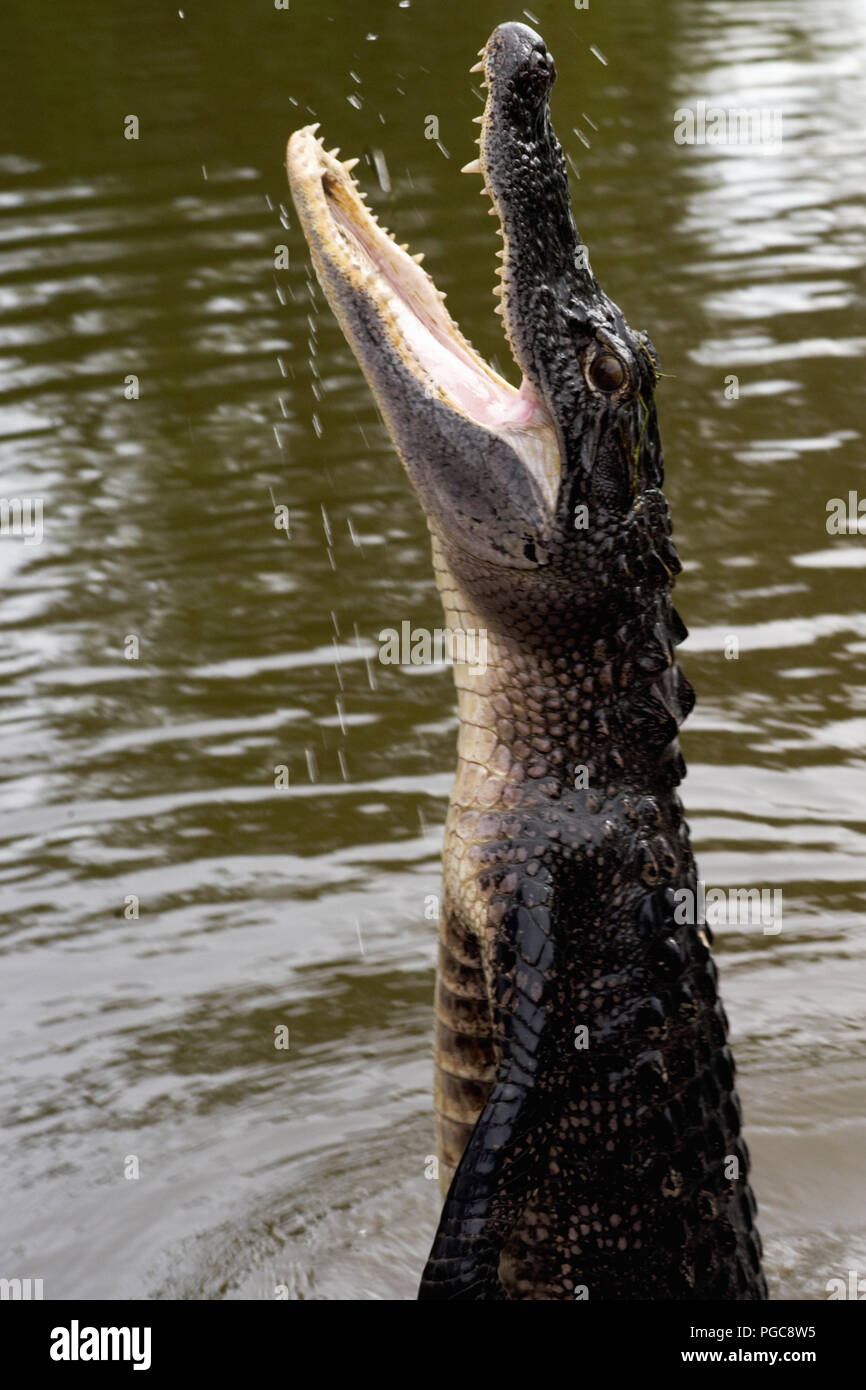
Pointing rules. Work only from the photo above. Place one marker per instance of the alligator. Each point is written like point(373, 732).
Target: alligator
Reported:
point(589, 1131)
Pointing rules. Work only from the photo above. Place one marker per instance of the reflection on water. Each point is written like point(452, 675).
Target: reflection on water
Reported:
point(148, 785)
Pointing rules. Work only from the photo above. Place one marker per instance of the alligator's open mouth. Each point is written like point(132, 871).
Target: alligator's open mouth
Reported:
point(360, 264)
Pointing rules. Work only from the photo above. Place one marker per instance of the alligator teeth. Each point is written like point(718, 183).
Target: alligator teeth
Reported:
point(349, 165)
point(479, 67)
point(473, 167)
point(479, 120)
point(418, 257)
point(314, 128)
point(334, 152)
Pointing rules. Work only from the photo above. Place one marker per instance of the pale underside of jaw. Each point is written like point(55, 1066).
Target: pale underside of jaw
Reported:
point(429, 342)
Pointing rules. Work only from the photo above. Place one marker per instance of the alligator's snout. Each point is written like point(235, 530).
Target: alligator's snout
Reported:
point(588, 1126)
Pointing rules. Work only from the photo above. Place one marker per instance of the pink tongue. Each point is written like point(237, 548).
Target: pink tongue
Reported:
point(459, 378)
point(450, 367)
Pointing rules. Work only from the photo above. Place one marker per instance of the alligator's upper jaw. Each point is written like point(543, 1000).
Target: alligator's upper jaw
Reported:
point(370, 280)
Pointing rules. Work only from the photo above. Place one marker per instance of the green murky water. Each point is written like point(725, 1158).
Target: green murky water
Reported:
point(153, 1038)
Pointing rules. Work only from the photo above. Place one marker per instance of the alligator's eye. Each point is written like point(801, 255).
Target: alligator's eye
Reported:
point(607, 372)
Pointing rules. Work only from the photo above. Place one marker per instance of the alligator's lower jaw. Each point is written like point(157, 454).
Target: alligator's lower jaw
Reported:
point(363, 269)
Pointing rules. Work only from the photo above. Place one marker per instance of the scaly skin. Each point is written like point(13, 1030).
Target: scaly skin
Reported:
point(588, 1127)
point(601, 1169)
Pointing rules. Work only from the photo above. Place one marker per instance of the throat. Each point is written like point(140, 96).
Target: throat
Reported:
point(539, 721)
point(563, 724)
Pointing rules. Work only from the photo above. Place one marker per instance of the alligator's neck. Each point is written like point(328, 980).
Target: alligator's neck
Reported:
point(547, 713)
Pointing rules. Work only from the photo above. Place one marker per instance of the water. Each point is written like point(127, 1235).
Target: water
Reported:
point(150, 1040)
